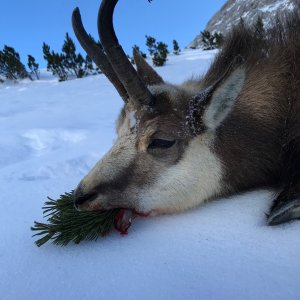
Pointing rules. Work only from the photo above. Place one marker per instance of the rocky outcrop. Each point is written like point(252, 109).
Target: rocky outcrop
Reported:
point(249, 10)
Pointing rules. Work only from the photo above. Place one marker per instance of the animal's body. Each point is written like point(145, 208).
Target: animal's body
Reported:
point(235, 129)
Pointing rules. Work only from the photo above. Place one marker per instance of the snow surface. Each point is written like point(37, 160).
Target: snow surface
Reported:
point(276, 6)
point(51, 135)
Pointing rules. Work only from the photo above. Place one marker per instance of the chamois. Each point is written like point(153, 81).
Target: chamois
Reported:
point(235, 129)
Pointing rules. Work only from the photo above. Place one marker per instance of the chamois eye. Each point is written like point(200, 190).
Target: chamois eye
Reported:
point(160, 143)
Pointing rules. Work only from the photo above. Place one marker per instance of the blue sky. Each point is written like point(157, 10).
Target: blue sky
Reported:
point(25, 25)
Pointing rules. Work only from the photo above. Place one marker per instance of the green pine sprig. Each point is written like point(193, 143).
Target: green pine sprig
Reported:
point(66, 224)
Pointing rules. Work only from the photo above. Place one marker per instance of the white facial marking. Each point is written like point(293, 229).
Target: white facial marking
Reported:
point(115, 161)
point(193, 180)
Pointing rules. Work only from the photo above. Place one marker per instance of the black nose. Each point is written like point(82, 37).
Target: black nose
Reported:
point(79, 197)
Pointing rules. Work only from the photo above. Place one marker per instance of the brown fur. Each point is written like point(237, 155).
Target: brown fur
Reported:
point(257, 144)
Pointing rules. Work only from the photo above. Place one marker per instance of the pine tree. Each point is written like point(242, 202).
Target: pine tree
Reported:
point(33, 66)
point(68, 63)
point(158, 50)
point(55, 63)
point(176, 49)
point(11, 66)
point(207, 40)
point(218, 39)
point(2, 67)
point(160, 55)
point(151, 44)
point(74, 63)
point(211, 41)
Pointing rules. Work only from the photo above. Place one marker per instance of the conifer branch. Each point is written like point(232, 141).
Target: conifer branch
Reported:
point(66, 224)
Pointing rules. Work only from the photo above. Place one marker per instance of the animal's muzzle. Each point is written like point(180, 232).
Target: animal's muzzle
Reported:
point(79, 197)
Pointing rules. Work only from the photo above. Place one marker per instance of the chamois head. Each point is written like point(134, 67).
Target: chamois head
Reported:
point(163, 160)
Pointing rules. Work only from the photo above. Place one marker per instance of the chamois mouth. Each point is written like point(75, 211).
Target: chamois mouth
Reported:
point(124, 218)
point(80, 199)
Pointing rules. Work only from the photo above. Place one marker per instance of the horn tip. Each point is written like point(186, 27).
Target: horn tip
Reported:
point(76, 10)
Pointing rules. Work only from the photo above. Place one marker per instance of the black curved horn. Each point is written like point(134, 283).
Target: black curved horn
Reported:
point(136, 89)
point(96, 53)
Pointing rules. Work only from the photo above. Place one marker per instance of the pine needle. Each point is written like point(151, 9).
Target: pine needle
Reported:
point(66, 224)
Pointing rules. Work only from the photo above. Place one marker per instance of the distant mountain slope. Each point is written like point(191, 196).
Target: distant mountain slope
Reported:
point(233, 10)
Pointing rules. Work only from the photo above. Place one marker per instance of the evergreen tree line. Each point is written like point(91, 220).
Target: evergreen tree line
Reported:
point(215, 40)
point(65, 65)
point(211, 41)
point(68, 63)
point(12, 68)
point(158, 51)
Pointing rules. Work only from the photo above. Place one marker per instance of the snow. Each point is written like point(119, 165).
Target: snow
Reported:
point(232, 11)
point(51, 135)
point(276, 6)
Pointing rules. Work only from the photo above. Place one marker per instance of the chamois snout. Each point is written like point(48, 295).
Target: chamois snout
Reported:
point(82, 199)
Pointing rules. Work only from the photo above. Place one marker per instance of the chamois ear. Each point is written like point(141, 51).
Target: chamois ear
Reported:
point(223, 98)
point(145, 71)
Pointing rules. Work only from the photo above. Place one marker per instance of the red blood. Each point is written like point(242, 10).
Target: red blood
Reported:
point(123, 220)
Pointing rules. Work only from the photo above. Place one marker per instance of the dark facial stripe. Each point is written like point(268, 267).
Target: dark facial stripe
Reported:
point(119, 183)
